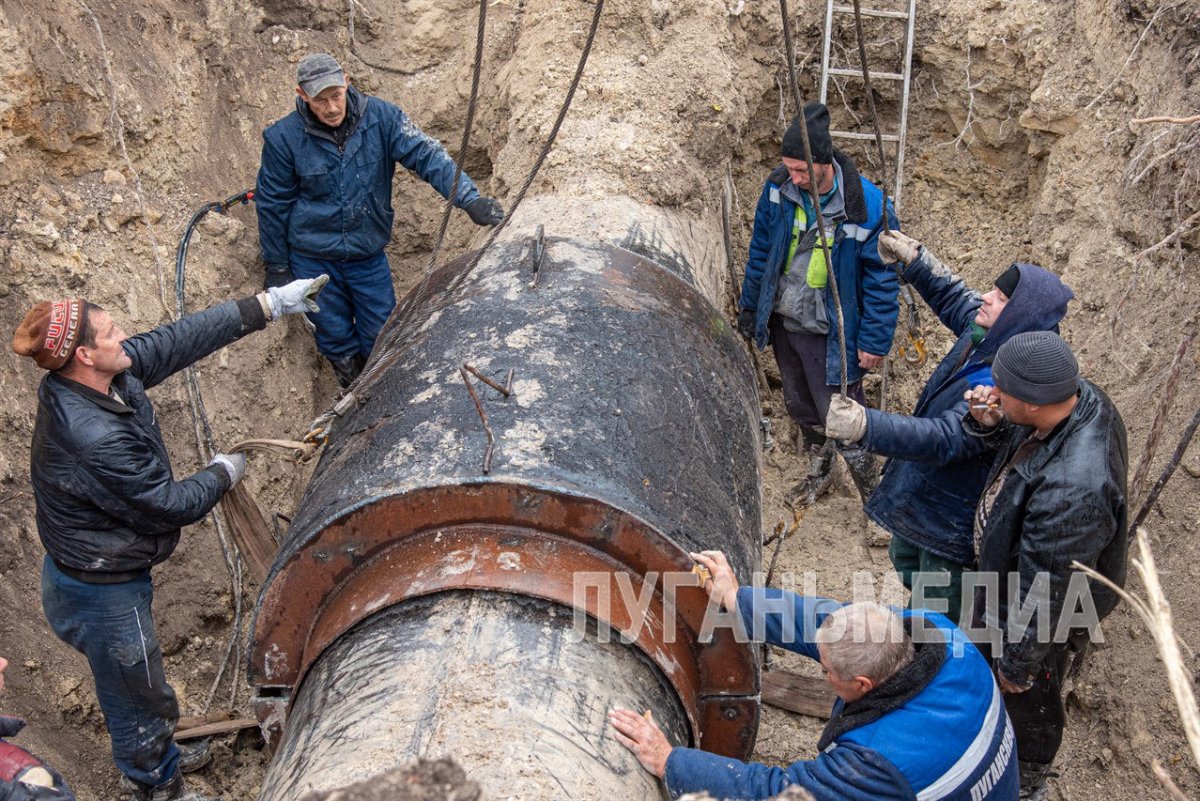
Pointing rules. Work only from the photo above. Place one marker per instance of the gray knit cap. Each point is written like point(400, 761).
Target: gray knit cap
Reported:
point(1036, 367)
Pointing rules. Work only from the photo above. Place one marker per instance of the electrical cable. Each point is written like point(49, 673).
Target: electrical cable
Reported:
point(206, 444)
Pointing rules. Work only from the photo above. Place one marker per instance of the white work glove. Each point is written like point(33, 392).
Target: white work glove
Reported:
point(846, 420)
point(296, 297)
point(234, 464)
point(895, 246)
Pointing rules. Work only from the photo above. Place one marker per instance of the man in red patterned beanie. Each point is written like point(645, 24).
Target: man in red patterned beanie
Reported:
point(109, 507)
point(50, 332)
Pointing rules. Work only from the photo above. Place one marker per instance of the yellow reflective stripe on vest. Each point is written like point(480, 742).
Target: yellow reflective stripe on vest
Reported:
point(817, 276)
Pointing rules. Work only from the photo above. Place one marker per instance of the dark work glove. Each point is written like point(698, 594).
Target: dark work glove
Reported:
point(484, 211)
point(746, 321)
point(277, 275)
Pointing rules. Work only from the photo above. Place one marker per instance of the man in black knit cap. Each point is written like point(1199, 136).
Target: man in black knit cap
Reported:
point(786, 299)
point(1056, 495)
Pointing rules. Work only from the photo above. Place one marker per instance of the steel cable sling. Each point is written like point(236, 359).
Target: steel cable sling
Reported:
point(466, 137)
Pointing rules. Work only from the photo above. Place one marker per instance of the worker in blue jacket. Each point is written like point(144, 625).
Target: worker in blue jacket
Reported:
point(936, 471)
point(786, 300)
point(324, 201)
point(918, 713)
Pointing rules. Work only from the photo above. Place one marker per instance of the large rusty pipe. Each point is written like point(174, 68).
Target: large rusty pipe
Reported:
point(421, 606)
point(497, 681)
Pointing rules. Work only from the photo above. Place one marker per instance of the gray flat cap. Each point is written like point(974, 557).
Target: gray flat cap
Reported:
point(317, 72)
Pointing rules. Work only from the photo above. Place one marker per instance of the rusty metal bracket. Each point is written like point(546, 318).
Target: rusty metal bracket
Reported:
point(318, 430)
point(505, 390)
point(509, 538)
point(914, 353)
point(271, 708)
point(524, 562)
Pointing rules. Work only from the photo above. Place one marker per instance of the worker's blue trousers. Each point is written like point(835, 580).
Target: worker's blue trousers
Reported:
point(354, 304)
point(111, 625)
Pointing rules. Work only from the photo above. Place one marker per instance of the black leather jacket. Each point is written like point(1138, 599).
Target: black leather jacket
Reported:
point(107, 501)
point(1065, 503)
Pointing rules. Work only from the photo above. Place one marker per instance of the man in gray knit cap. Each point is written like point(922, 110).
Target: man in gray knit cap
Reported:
point(1056, 494)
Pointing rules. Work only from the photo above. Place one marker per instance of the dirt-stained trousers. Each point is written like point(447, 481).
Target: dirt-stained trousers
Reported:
point(1038, 715)
point(354, 304)
point(111, 625)
point(801, 360)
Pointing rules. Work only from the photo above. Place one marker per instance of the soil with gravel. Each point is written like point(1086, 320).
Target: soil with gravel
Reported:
point(118, 120)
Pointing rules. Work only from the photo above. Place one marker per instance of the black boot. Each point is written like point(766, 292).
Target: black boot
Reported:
point(1033, 780)
point(174, 789)
point(818, 477)
point(347, 369)
point(864, 471)
point(193, 754)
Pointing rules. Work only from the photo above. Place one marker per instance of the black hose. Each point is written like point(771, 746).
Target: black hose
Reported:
point(205, 443)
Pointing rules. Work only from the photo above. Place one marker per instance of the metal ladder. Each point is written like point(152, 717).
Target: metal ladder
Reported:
point(897, 138)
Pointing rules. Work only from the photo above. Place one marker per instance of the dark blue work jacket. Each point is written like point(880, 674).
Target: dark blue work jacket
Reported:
point(931, 485)
point(335, 203)
point(867, 286)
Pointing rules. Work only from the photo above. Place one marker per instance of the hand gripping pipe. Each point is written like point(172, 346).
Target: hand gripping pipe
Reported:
point(424, 607)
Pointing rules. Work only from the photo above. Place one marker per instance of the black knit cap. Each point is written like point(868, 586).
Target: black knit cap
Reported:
point(1007, 282)
point(817, 118)
point(1036, 367)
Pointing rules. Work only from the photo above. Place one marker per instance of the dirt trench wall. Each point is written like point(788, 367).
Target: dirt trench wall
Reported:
point(672, 88)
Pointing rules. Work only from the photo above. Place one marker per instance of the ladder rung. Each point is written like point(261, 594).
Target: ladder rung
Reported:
point(884, 76)
point(870, 12)
point(871, 136)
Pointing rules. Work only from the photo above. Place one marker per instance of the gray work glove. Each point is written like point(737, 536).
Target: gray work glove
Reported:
point(298, 296)
point(484, 211)
point(234, 464)
point(895, 246)
point(846, 420)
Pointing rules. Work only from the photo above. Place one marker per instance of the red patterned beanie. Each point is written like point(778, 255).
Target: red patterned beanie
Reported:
point(50, 332)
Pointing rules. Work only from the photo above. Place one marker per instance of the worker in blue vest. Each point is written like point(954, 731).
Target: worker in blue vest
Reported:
point(918, 713)
point(786, 300)
point(24, 777)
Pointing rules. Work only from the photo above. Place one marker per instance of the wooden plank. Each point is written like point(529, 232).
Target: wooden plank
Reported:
point(199, 720)
point(795, 693)
point(220, 727)
point(856, 135)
